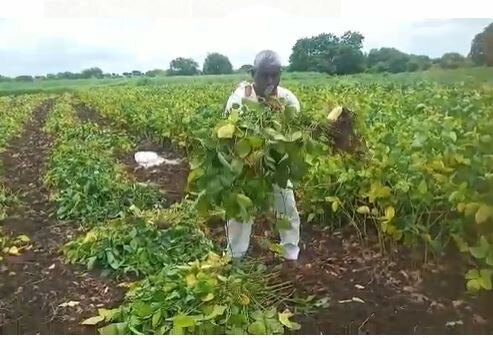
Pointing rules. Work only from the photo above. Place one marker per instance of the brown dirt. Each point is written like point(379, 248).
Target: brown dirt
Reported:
point(400, 294)
point(35, 284)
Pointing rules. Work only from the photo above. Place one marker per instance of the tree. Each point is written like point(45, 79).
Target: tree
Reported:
point(329, 53)
point(216, 63)
point(50, 76)
point(92, 72)
point(137, 73)
point(388, 60)
point(452, 61)
point(482, 47)
point(155, 72)
point(25, 78)
point(183, 66)
point(245, 69)
point(348, 60)
point(314, 53)
point(418, 62)
point(68, 75)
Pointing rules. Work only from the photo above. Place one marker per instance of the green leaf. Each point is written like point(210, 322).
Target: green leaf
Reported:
point(234, 116)
point(226, 131)
point(296, 136)
point(243, 148)
point(110, 314)
point(93, 320)
point(237, 166)
point(485, 138)
point(363, 210)
point(484, 212)
point(482, 250)
point(208, 297)
point(389, 213)
point(453, 136)
point(218, 310)
point(223, 161)
point(461, 244)
point(489, 259)
point(473, 285)
point(282, 176)
point(472, 274)
point(244, 201)
point(90, 262)
point(255, 142)
point(284, 319)
point(335, 206)
point(257, 328)
point(113, 329)
point(23, 239)
point(142, 309)
point(275, 134)
point(196, 163)
point(485, 279)
point(283, 224)
point(422, 187)
point(111, 260)
point(182, 321)
point(177, 330)
point(156, 318)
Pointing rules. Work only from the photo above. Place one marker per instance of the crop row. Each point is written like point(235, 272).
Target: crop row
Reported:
point(425, 179)
point(14, 113)
point(182, 286)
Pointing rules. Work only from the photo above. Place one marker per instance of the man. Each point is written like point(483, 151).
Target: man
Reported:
point(266, 75)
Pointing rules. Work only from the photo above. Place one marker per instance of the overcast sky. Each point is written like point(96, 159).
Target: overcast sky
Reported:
point(76, 38)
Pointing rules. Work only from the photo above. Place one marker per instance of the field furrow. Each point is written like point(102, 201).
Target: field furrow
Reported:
point(36, 285)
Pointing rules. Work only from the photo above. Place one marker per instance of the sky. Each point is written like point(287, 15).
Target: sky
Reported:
point(49, 36)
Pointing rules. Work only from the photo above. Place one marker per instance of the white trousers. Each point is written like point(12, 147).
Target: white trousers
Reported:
point(284, 204)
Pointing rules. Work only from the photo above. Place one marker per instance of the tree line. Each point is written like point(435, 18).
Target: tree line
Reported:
point(324, 53)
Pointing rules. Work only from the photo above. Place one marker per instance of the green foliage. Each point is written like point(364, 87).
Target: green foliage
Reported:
point(329, 54)
point(481, 52)
point(155, 72)
point(203, 297)
point(92, 72)
point(245, 69)
point(183, 66)
point(248, 153)
point(452, 60)
point(216, 63)
point(88, 184)
point(143, 242)
point(14, 112)
point(425, 178)
point(387, 60)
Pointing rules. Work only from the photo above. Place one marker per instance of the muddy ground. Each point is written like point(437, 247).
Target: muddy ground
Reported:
point(368, 292)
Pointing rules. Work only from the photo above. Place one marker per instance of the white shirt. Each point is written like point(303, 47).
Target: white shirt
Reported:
point(246, 91)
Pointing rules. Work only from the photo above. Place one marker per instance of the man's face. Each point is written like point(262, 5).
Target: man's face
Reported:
point(266, 79)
